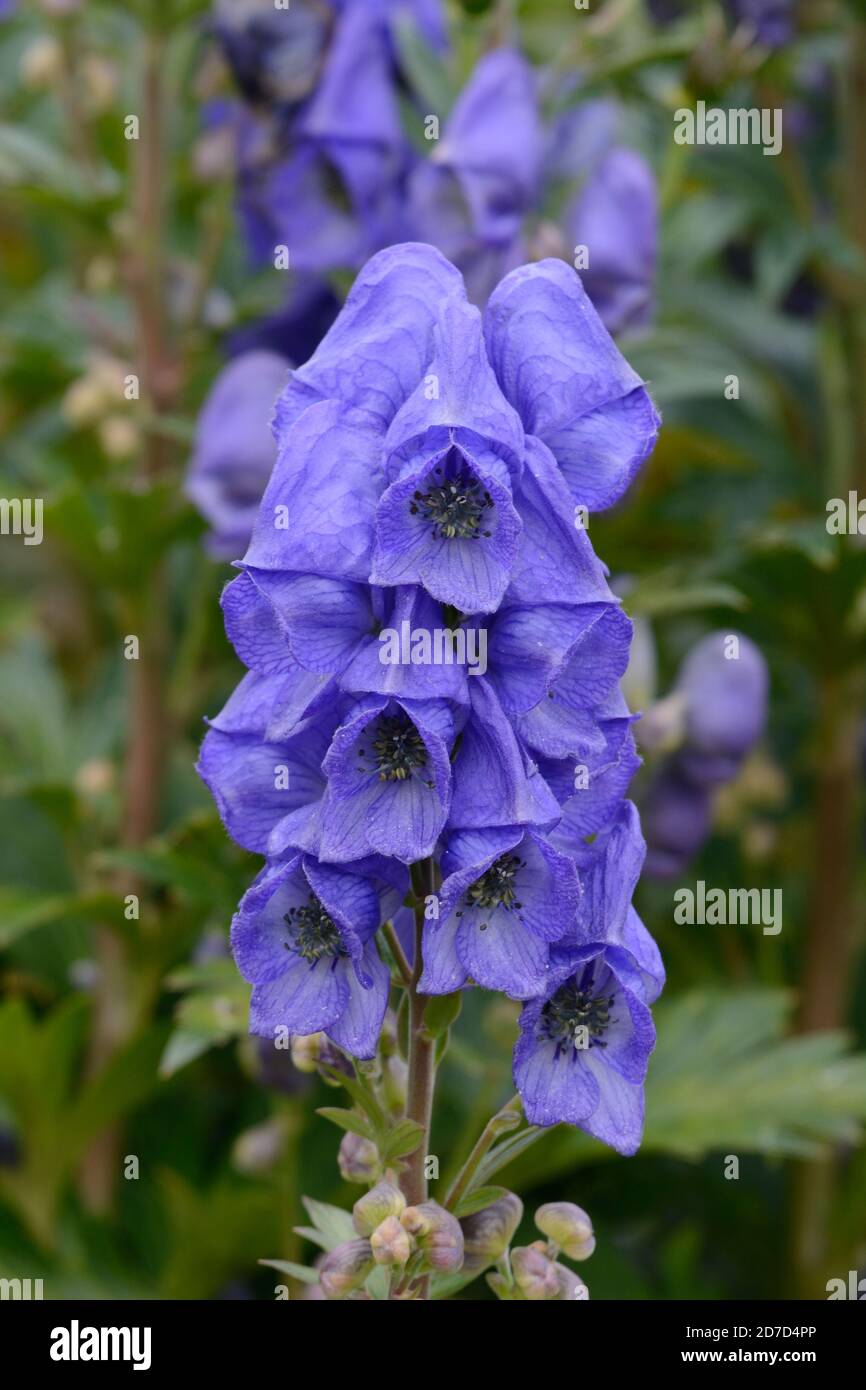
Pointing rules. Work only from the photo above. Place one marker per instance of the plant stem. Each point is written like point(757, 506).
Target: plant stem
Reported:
point(422, 1051)
point(148, 733)
point(403, 966)
point(495, 1126)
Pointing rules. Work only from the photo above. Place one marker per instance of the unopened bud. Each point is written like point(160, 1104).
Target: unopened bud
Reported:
point(358, 1159)
point(390, 1243)
point(534, 1274)
point(438, 1234)
point(306, 1050)
point(41, 63)
point(571, 1286)
point(487, 1233)
point(382, 1201)
point(345, 1268)
point(568, 1227)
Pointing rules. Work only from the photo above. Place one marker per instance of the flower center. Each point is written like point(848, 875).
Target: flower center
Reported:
point(455, 507)
point(496, 887)
point(398, 748)
point(576, 1017)
point(312, 932)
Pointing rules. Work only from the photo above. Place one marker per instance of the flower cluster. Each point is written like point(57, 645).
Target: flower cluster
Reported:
point(319, 137)
point(434, 472)
point(498, 165)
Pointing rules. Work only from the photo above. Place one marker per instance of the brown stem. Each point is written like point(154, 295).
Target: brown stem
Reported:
point(148, 734)
point(422, 1053)
point(833, 914)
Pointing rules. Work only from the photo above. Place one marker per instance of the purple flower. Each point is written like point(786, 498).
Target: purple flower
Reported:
point(434, 658)
point(721, 698)
point(583, 1050)
point(234, 449)
point(723, 683)
point(772, 21)
point(389, 780)
point(585, 1041)
point(476, 198)
point(615, 217)
point(403, 449)
point(321, 151)
point(472, 196)
point(507, 894)
point(676, 821)
point(274, 54)
point(304, 936)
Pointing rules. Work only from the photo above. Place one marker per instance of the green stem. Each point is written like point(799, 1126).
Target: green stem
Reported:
point(496, 1125)
point(403, 966)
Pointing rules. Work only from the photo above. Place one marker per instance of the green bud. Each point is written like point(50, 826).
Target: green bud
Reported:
point(358, 1159)
point(534, 1273)
point(568, 1227)
point(438, 1235)
point(345, 1268)
point(390, 1243)
point(487, 1233)
point(383, 1200)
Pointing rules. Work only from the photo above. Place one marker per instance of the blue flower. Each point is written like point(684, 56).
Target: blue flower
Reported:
point(422, 509)
point(615, 217)
point(583, 1050)
point(724, 690)
point(304, 936)
point(320, 148)
point(404, 448)
point(507, 894)
point(234, 449)
point(389, 780)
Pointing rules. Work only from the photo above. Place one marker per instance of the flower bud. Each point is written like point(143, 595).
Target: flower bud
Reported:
point(438, 1234)
point(568, 1226)
point(358, 1159)
point(41, 63)
point(382, 1201)
point(390, 1243)
point(571, 1286)
point(306, 1050)
point(534, 1274)
point(487, 1233)
point(345, 1268)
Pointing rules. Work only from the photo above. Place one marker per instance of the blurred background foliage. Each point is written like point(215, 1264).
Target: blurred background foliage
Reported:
point(124, 1037)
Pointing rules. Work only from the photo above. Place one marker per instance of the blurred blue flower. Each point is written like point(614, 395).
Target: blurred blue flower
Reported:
point(234, 449)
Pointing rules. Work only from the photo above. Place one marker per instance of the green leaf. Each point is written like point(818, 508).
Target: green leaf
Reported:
point(427, 74)
point(441, 1010)
point(333, 1225)
point(21, 910)
point(403, 1139)
point(505, 1152)
point(478, 1198)
point(294, 1271)
point(346, 1119)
